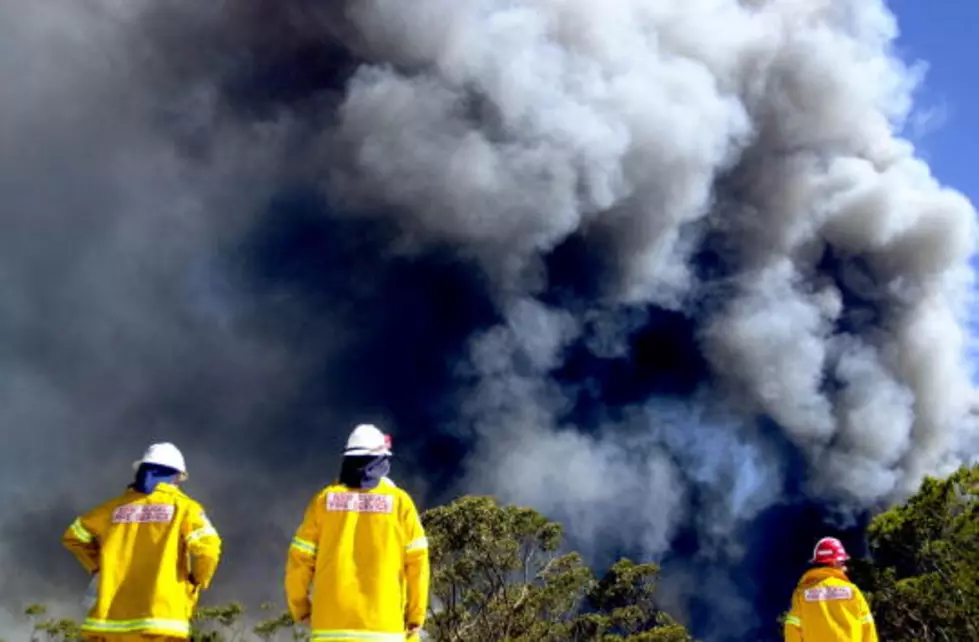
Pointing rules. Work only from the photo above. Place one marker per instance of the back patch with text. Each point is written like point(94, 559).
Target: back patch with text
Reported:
point(359, 503)
point(827, 593)
point(143, 514)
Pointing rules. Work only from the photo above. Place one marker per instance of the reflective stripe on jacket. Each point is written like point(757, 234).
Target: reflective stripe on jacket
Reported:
point(154, 553)
point(365, 556)
point(827, 607)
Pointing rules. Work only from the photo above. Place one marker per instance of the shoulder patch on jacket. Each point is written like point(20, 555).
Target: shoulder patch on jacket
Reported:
point(359, 503)
point(143, 514)
point(828, 593)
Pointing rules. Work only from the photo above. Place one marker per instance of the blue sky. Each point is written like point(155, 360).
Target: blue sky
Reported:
point(945, 34)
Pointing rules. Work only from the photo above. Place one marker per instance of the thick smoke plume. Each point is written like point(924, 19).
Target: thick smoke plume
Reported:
point(667, 271)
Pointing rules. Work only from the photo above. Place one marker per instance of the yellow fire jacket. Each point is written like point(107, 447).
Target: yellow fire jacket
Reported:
point(365, 556)
point(154, 554)
point(827, 607)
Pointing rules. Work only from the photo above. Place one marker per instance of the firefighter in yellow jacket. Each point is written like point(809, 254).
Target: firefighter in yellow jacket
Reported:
point(150, 551)
point(826, 605)
point(358, 567)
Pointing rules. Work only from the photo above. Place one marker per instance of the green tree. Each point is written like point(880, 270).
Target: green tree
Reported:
point(50, 629)
point(497, 574)
point(923, 580)
point(218, 623)
point(623, 605)
point(226, 624)
point(277, 627)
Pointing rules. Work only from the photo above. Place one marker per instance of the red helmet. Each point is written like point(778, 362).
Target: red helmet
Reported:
point(829, 550)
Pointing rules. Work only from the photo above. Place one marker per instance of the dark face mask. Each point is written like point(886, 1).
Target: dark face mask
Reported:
point(364, 472)
point(149, 475)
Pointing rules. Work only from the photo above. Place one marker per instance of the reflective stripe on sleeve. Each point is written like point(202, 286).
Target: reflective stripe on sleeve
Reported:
point(206, 531)
point(142, 625)
point(418, 544)
point(340, 634)
point(867, 619)
point(303, 545)
point(81, 532)
point(793, 620)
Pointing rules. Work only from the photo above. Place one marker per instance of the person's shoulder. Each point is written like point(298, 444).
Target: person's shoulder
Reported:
point(839, 581)
point(109, 505)
point(321, 496)
point(332, 487)
point(847, 586)
point(181, 497)
point(388, 486)
point(127, 498)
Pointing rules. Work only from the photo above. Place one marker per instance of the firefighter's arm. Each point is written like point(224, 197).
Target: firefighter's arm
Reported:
point(866, 619)
point(301, 562)
point(203, 545)
point(82, 539)
point(416, 565)
point(792, 629)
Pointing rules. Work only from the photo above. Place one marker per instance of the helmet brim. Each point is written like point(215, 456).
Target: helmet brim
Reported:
point(363, 452)
point(181, 475)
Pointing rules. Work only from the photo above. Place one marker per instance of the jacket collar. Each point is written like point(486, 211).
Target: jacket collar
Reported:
point(821, 573)
point(164, 487)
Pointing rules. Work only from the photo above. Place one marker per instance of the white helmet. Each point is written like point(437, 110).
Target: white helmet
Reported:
point(164, 454)
point(367, 439)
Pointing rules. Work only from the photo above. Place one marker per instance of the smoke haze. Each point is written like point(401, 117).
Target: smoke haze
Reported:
point(667, 271)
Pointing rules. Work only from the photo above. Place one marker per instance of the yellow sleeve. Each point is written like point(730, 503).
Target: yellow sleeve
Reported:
point(866, 619)
point(82, 539)
point(203, 546)
point(792, 629)
point(417, 570)
point(301, 561)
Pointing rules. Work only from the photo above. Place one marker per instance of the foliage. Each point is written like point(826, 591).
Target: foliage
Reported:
point(497, 574)
point(268, 630)
point(225, 624)
point(211, 624)
point(50, 629)
point(923, 582)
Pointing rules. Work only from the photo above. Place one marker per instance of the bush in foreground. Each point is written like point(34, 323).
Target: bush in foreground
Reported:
point(923, 583)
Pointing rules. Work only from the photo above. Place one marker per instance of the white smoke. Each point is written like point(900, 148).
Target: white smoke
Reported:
point(771, 129)
point(774, 125)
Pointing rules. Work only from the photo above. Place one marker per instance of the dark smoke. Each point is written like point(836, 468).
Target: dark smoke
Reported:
point(666, 271)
